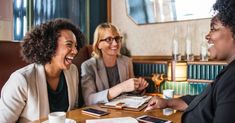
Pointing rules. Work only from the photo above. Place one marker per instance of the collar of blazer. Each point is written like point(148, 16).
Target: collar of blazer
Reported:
point(42, 89)
point(123, 68)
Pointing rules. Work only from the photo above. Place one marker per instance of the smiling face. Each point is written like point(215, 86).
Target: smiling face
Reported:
point(109, 48)
point(66, 50)
point(222, 38)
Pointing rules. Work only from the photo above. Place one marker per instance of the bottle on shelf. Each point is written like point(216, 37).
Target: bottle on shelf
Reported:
point(188, 46)
point(175, 47)
point(203, 49)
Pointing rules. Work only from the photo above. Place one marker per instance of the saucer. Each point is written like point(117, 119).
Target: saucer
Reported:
point(67, 120)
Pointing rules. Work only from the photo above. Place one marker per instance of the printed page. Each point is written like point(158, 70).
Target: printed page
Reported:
point(129, 101)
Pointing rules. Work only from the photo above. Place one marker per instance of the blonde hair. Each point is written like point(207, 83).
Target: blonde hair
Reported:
point(100, 29)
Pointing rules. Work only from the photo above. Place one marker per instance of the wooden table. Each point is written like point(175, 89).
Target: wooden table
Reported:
point(81, 118)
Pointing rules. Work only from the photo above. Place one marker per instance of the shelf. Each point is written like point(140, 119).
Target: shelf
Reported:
point(207, 62)
point(200, 80)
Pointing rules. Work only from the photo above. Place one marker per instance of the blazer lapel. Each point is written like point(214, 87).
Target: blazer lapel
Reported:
point(70, 89)
point(42, 91)
point(122, 69)
point(102, 73)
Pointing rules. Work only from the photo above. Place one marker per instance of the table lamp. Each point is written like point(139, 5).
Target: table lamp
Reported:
point(177, 71)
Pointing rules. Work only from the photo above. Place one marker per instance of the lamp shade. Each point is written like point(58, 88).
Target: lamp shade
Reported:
point(177, 71)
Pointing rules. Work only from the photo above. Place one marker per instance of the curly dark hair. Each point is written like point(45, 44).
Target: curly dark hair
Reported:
point(226, 13)
point(39, 44)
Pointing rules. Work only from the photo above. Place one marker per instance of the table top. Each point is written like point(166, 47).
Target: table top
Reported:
point(114, 113)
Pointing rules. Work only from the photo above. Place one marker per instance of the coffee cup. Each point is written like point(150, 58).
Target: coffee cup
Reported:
point(57, 117)
point(168, 94)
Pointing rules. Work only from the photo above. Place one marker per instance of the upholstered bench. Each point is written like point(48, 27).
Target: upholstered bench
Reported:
point(11, 60)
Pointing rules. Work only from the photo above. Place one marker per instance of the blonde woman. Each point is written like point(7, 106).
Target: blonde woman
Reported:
point(108, 73)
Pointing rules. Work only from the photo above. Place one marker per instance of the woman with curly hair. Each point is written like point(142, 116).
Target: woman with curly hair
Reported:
point(108, 73)
point(50, 82)
point(216, 104)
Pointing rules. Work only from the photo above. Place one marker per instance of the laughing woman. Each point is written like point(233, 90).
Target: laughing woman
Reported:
point(216, 104)
point(108, 73)
point(50, 83)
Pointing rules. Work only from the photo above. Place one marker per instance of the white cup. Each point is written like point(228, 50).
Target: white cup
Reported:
point(168, 94)
point(57, 117)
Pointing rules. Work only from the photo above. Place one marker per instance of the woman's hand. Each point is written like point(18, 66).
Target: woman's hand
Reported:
point(130, 85)
point(126, 86)
point(142, 84)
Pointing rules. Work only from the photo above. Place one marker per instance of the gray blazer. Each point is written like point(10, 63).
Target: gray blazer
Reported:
point(94, 81)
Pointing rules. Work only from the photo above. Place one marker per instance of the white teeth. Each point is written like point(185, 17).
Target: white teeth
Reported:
point(210, 45)
point(69, 57)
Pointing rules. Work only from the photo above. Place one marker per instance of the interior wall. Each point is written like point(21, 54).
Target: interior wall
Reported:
point(6, 18)
point(156, 39)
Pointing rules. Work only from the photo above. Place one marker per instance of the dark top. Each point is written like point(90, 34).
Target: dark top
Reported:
point(58, 100)
point(216, 104)
point(113, 75)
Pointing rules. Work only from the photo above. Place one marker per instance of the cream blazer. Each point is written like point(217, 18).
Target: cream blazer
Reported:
point(94, 79)
point(24, 97)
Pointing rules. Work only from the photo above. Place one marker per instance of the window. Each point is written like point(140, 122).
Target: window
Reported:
point(20, 19)
point(35, 12)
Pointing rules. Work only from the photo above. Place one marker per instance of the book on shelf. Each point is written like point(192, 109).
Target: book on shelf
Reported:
point(127, 102)
point(208, 72)
point(198, 72)
point(203, 72)
point(212, 72)
point(194, 71)
point(190, 71)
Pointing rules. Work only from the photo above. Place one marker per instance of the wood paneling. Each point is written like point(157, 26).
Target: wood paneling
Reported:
point(109, 16)
point(6, 11)
point(6, 20)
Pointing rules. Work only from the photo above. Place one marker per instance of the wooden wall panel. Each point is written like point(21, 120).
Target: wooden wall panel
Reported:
point(6, 20)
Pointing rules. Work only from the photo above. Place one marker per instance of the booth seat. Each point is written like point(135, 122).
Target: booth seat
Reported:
point(11, 60)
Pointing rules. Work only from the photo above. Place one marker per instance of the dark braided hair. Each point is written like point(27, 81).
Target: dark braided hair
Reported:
point(226, 13)
point(39, 45)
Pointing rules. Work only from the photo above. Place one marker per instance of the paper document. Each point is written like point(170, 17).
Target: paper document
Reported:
point(129, 101)
point(114, 120)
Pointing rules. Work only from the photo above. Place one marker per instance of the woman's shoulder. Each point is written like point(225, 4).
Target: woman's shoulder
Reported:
point(28, 69)
point(124, 58)
point(19, 77)
point(90, 61)
point(28, 72)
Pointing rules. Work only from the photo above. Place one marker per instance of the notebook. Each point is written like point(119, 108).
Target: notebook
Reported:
point(126, 102)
